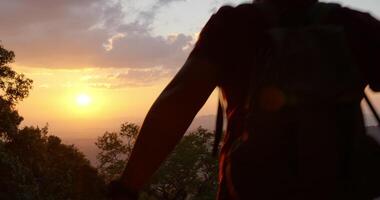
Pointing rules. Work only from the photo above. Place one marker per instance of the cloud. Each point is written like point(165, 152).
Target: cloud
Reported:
point(88, 33)
point(145, 51)
point(111, 79)
point(147, 16)
point(109, 45)
point(138, 77)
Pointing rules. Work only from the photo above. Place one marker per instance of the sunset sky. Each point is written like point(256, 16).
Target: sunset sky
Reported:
point(98, 63)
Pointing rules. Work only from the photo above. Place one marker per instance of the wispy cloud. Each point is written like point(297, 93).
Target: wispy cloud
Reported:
point(126, 78)
point(109, 45)
point(88, 33)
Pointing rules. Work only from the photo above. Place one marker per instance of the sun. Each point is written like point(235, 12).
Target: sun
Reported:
point(83, 100)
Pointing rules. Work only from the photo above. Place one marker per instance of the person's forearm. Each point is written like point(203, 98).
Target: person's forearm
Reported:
point(168, 120)
point(157, 138)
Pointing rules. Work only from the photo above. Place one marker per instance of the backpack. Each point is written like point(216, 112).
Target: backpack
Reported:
point(309, 79)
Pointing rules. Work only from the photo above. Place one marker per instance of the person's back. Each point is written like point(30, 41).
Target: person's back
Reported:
point(283, 151)
point(288, 151)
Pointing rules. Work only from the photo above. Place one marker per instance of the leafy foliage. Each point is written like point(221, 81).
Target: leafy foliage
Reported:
point(9, 120)
point(189, 172)
point(44, 168)
point(14, 87)
point(115, 148)
point(17, 180)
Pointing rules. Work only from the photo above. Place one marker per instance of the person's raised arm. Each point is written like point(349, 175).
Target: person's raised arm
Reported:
point(168, 119)
point(175, 108)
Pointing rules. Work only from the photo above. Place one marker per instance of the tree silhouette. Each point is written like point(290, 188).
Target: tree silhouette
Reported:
point(35, 165)
point(115, 149)
point(14, 87)
point(190, 171)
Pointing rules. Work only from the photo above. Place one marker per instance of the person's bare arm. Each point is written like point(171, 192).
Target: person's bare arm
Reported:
point(168, 119)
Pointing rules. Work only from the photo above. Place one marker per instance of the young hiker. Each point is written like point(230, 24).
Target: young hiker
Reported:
point(292, 75)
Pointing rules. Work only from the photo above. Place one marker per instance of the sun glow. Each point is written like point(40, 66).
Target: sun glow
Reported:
point(83, 100)
point(84, 103)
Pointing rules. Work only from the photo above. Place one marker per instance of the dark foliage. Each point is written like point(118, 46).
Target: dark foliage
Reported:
point(14, 87)
point(189, 173)
point(115, 149)
point(37, 166)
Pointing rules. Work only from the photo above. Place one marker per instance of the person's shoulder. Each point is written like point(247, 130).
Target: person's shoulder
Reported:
point(233, 13)
point(225, 9)
point(223, 17)
point(218, 20)
point(224, 12)
point(228, 19)
point(236, 10)
point(239, 8)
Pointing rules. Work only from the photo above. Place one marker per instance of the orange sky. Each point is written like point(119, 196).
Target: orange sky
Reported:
point(53, 100)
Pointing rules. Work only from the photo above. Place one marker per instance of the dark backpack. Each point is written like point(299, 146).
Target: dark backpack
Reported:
point(310, 83)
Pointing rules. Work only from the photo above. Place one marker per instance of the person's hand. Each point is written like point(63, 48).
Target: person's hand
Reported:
point(117, 191)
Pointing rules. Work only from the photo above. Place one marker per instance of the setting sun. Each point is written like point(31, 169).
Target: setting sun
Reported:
point(83, 100)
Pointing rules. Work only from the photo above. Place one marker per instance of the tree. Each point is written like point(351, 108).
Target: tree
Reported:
point(14, 87)
point(17, 181)
point(189, 172)
point(115, 149)
point(44, 168)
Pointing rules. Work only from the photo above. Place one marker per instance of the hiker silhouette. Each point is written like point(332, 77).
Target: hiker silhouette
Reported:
point(292, 75)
